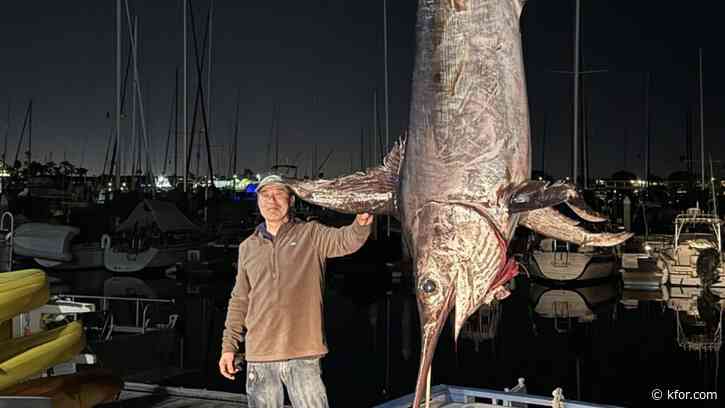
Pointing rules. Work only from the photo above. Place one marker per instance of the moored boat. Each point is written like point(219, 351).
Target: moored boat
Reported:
point(156, 234)
point(693, 257)
point(565, 263)
point(41, 240)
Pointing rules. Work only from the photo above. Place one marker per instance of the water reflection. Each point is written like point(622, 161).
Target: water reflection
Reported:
point(699, 321)
point(563, 307)
point(482, 325)
point(599, 342)
point(696, 322)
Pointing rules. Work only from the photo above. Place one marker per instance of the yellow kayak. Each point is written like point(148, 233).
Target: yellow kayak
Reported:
point(21, 291)
point(23, 357)
point(84, 389)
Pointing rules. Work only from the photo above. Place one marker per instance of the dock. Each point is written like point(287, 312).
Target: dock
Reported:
point(138, 395)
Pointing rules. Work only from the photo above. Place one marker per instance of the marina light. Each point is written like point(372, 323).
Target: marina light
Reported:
point(162, 182)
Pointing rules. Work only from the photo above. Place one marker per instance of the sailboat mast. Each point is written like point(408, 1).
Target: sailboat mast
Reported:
point(208, 78)
point(176, 123)
point(172, 125)
point(385, 65)
point(30, 132)
point(7, 134)
point(575, 125)
point(236, 134)
point(184, 102)
point(117, 184)
point(702, 129)
point(134, 107)
point(647, 128)
point(376, 136)
point(276, 135)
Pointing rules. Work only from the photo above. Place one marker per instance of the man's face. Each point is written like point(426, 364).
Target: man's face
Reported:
point(274, 203)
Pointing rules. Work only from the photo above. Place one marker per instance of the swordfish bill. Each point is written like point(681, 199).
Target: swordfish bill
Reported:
point(460, 182)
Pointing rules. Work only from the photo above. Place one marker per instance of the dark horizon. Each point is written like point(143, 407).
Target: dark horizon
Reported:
point(322, 61)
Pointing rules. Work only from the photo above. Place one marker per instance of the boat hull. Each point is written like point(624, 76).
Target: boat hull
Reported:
point(44, 241)
point(85, 256)
point(572, 266)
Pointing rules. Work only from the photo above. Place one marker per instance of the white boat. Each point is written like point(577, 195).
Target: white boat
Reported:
point(47, 241)
point(85, 256)
point(564, 262)
point(694, 252)
point(155, 235)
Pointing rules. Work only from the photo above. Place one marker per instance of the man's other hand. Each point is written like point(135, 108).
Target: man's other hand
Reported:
point(364, 219)
point(226, 365)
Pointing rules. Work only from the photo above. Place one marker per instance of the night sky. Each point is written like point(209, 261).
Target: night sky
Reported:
point(321, 62)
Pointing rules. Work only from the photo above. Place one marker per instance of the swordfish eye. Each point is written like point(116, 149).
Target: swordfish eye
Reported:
point(428, 286)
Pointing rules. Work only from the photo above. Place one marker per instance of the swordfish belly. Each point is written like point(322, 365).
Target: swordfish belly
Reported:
point(469, 135)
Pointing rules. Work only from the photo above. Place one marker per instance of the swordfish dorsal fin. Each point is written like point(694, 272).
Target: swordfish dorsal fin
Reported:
point(374, 190)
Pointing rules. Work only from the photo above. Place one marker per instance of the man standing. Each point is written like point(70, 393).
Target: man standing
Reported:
point(277, 298)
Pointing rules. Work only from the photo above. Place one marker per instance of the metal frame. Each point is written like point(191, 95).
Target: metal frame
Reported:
point(8, 237)
point(448, 393)
point(701, 346)
point(698, 218)
point(141, 321)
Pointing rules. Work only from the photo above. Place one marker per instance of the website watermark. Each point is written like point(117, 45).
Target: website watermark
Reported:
point(659, 394)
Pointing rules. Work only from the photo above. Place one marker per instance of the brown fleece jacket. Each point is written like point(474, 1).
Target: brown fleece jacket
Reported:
point(277, 297)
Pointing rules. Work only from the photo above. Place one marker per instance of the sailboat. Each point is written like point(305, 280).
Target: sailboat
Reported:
point(156, 234)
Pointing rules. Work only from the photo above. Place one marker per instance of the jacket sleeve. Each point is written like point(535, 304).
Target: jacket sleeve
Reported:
point(237, 309)
point(334, 242)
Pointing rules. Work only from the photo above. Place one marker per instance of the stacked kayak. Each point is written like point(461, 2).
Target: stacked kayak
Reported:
point(21, 291)
point(24, 357)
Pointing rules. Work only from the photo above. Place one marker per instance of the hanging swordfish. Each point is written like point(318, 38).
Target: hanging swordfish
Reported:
point(459, 182)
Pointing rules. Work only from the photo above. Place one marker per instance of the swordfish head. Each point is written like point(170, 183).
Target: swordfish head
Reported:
point(460, 263)
point(467, 149)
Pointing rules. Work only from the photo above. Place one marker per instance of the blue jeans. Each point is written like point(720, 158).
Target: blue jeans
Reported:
point(302, 377)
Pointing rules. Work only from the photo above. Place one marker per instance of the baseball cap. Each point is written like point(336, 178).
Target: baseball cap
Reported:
point(272, 179)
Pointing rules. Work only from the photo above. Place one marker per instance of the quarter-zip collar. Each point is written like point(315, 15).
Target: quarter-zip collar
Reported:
point(262, 231)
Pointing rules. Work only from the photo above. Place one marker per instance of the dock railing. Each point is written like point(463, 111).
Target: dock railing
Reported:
point(140, 306)
point(491, 398)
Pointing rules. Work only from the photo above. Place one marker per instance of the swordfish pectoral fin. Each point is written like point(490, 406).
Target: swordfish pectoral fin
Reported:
point(533, 194)
point(549, 222)
point(580, 208)
point(373, 191)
